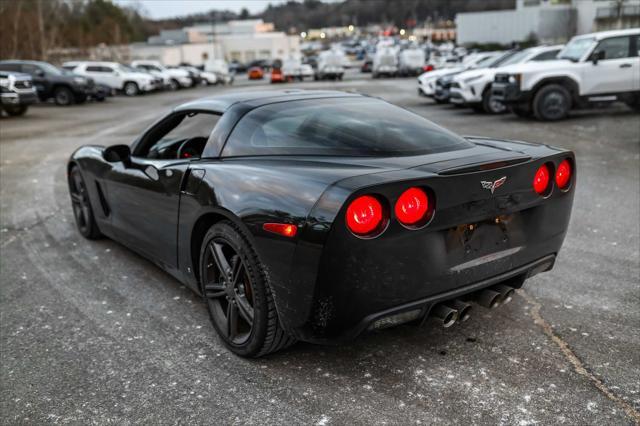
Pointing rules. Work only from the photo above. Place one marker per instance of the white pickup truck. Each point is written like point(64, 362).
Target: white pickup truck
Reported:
point(114, 75)
point(592, 69)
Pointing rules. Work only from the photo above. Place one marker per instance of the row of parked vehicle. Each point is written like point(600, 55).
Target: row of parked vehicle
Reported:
point(545, 82)
point(26, 82)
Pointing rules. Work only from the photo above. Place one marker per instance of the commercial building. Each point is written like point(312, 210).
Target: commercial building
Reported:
point(242, 41)
point(549, 21)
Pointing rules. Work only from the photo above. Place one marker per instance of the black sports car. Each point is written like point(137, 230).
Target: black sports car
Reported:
point(317, 215)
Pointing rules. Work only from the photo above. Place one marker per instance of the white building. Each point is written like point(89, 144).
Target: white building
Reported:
point(243, 41)
point(550, 21)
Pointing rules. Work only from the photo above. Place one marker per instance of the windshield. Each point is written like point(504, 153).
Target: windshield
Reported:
point(516, 58)
point(500, 60)
point(49, 69)
point(576, 49)
point(338, 127)
point(126, 68)
point(485, 62)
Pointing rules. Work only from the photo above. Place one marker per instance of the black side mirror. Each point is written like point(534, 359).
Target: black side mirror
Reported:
point(596, 56)
point(116, 153)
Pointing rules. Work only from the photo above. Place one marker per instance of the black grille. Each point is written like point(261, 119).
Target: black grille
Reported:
point(455, 84)
point(502, 78)
point(22, 84)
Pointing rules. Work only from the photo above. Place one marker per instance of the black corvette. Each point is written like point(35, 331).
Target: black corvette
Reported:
point(317, 215)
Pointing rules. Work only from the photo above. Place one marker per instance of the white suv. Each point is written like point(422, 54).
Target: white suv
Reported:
point(114, 75)
point(175, 78)
point(591, 69)
point(427, 80)
point(473, 88)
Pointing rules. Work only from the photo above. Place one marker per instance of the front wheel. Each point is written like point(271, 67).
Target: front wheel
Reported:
point(131, 89)
point(15, 110)
point(634, 104)
point(491, 105)
point(551, 103)
point(237, 294)
point(63, 96)
point(82, 211)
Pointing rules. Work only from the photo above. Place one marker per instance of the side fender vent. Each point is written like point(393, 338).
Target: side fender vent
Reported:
point(103, 201)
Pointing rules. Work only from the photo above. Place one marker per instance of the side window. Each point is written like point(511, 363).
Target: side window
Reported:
point(30, 69)
point(637, 52)
point(93, 68)
point(615, 47)
point(546, 56)
point(10, 67)
point(182, 135)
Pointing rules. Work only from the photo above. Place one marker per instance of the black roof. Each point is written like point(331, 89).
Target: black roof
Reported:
point(258, 98)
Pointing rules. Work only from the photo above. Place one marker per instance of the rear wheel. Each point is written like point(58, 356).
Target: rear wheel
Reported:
point(634, 104)
point(551, 103)
point(63, 96)
point(81, 205)
point(237, 294)
point(15, 110)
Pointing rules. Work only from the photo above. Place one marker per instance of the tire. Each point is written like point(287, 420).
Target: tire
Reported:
point(490, 105)
point(257, 329)
point(63, 96)
point(81, 205)
point(131, 89)
point(634, 104)
point(15, 110)
point(173, 84)
point(522, 111)
point(552, 102)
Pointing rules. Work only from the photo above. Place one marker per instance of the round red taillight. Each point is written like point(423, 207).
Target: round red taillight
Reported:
point(541, 180)
point(412, 206)
point(563, 174)
point(364, 215)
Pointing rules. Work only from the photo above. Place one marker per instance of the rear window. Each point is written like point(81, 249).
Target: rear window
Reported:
point(338, 126)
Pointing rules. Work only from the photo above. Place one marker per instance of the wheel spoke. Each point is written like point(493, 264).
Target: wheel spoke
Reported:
point(245, 309)
point(86, 214)
point(214, 290)
point(238, 268)
point(232, 320)
point(218, 255)
point(76, 198)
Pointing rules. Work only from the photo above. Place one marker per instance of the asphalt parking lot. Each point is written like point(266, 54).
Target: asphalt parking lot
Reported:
point(92, 333)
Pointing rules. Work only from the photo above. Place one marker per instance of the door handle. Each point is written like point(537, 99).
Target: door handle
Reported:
point(625, 66)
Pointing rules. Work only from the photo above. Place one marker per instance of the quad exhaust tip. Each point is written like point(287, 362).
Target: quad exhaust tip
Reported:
point(446, 314)
point(505, 291)
point(463, 308)
point(489, 299)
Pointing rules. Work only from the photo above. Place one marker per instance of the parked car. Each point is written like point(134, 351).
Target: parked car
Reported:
point(411, 62)
point(335, 213)
point(330, 65)
point(255, 73)
point(293, 69)
point(116, 76)
point(592, 69)
point(472, 88)
point(277, 76)
point(194, 73)
point(177, 78)
point(385, 62)
point(17, 92)
point(220, 68)
point(427, 81)
point(51, 82)
point(443, 84)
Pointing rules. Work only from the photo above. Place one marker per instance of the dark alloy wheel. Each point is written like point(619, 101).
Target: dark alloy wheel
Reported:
point(237, 295)
point(63, 96)
point(81, 205)
point(551, 103)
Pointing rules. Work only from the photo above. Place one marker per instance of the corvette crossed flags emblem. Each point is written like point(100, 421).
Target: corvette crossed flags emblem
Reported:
point(492, 186)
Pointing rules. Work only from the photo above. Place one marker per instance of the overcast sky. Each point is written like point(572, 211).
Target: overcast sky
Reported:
point(158, 9)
